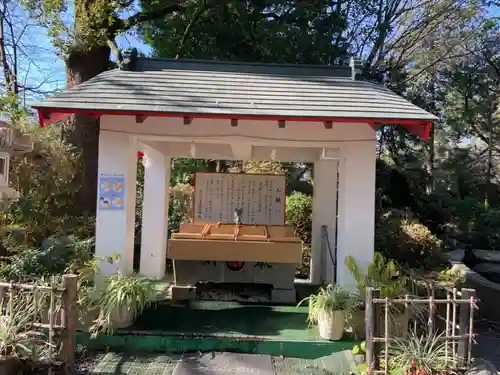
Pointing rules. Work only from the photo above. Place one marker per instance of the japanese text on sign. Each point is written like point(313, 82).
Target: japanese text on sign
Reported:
point(261, 198)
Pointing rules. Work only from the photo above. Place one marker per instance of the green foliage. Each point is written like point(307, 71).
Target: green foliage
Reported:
point(299, 214)
point(382, 274)
point(426, 352)
point(139, 197)
point(359, 348)
point(16, 335)
point(50, 14)
point(267, 167)
point(248, 31)
point(407, 241)
point(180, 208)
point(54, 257)
point(45, 179)
point(328, 299)
point(452, 277)
point(184, 170)
point(361, 368)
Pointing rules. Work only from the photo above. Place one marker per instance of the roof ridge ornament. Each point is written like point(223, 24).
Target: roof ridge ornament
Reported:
point(352, 65)
point(129, 60)
point(348, 62)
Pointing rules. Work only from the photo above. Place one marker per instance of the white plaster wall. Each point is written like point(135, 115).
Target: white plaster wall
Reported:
point(115, 229)
point(356, 207)
point(217, 129)
point(155, 214)
point(324, 213)
point(353, 142)
point(234, 151)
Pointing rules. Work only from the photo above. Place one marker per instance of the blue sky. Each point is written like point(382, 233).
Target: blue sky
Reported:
point(51, 67)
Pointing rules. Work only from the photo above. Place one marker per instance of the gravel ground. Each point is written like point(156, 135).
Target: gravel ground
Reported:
point(86, 361)
point(487, 342)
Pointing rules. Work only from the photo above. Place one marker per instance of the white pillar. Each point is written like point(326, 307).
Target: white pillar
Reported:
point(356, 211)
point(324, 212)
point(155, 214)
point(114, 233)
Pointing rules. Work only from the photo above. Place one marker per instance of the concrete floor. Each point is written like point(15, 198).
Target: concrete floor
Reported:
point(145, 364)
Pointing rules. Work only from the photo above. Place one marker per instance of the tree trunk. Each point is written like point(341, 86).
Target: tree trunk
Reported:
point(82, 131)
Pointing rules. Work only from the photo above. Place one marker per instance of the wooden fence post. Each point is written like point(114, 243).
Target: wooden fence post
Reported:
point(372, 319)
point(464, 312)
point(69, 320)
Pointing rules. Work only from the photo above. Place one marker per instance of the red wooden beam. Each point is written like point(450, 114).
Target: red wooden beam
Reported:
point(420, 128)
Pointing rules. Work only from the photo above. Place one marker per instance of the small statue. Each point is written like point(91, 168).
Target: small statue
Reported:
point(238, 212)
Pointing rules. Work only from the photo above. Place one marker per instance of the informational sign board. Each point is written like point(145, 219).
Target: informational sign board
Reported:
point(111, 192)
point(260, 197)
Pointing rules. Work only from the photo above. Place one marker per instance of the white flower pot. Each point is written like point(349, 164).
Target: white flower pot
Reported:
point(331, 325)
point(122, 317)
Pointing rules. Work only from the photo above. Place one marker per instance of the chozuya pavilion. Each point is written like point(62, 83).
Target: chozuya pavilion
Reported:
point(236, 111)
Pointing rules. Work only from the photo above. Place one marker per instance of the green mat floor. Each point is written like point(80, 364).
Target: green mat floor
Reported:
point(209, 326)
point(229, 319)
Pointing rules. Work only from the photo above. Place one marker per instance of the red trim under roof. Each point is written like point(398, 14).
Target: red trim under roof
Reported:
point(48, 116)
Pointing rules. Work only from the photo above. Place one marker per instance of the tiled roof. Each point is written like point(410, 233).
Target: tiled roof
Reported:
point(191, 87)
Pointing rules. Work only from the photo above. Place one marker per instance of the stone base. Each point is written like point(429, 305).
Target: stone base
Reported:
point(284, 295)
point(190, 272)
point(183, 292)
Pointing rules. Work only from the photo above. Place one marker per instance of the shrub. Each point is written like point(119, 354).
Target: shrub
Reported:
point(180, 206)
point(46, 181)
point(485, 226)
point(54, 257)
point(299, 214)
point(408, 242)
point(267, 167)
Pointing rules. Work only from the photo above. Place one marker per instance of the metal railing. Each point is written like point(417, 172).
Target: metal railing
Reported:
point(333, 254)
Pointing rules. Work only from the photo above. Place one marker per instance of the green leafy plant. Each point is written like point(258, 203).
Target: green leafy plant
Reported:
point(328, 299)
point(382, 274)
point(123, 298)
point(424, 351)
point(401, 237)
point(16, 337)
point(55, 256)
point(299, 215)
point(452, 277)
point(359, 349)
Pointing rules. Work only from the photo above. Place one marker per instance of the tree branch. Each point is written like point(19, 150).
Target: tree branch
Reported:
point(122, 25)
point(193, 21)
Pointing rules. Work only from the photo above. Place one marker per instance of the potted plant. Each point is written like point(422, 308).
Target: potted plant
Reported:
point(121, 301)
point(328, 308)
point(384, 275)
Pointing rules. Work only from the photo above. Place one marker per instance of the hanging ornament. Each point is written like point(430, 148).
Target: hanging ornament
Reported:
point(273, 154)
point(192, 150)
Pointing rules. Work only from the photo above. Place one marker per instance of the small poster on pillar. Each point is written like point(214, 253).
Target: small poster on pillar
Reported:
point(254, 198)
point(111, 192)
